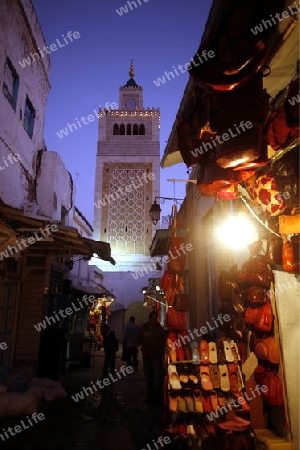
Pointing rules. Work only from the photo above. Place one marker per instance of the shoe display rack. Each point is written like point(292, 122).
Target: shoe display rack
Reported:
point(203, 383)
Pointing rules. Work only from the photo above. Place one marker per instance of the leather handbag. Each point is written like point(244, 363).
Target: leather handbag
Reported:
point(279, 134)
point(268, 350)
point(256, 295)
point(175, 319)
point(274, 251)
point(288, 261)
point(177, 262)
point(255, 272)
point(264, 320)
point(251, 315)
point(182, 302)
point(273, 395)
point(166, 280)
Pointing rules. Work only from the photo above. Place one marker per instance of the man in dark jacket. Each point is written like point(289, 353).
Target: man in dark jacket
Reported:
point(152, 338)
point(130, 343)
point(110, 345)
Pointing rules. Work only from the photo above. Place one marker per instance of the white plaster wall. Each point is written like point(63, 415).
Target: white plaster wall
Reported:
point(17, 41)
point(54, 188)
point(287, 294)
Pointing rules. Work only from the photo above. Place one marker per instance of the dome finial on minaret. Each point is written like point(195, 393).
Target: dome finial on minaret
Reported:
point(131, 70)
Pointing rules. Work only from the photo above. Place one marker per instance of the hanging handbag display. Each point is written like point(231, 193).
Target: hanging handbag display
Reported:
point(273, 395)
point(268, 350)
point(177, 257)
point(264, 320)
point(256, 295)
point(255, 272)
point(264, 191)
point(175, 319)
point(182, 302)
point(279, 134)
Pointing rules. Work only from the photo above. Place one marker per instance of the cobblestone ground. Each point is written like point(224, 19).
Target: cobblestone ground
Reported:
point(114, 418)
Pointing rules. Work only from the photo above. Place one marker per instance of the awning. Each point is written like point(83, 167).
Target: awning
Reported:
point(160, 243)
point(282, 53)
point(97, 291)
point(63, 241)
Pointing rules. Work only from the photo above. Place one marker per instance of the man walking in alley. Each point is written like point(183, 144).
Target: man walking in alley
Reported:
point(110, 345)
point(152, 339)
point(130, 343)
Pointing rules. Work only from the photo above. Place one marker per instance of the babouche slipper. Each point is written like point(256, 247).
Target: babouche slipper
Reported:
point(205, 380)
point(173, 377)
point(204, 352)
point(228, 352)
point(213, 357)
point(224, 378)
point(214, 375)
point(198, 401)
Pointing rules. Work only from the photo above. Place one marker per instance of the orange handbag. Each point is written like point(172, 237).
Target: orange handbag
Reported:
point(264, 321)
point(288, 261)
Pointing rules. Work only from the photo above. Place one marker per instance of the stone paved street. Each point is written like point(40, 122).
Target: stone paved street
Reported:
point(114, 418)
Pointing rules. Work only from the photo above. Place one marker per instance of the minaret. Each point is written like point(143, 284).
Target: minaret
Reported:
point(127, 176)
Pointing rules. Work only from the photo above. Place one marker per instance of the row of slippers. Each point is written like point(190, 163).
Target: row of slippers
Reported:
point(196, 401)
point(227, 377)
point(205, 430)
point(207, 352)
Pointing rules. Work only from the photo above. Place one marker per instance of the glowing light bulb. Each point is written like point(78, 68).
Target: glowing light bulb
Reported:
point(237, 232)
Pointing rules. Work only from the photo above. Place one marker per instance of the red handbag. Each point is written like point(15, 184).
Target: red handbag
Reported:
point(288, 261)
point(273, 395)
point(182, 302)
point(279, 134)
point(268, 350)
point(166, 280)
point(256, 295)
point(175, 319)
point(264, 321)
point(255, 272)
point(177, 262)
point(251, 315)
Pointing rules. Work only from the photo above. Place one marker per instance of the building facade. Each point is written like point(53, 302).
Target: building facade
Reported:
point(127, 180)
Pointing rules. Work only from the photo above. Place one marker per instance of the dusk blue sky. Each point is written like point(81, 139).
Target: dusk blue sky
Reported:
point(88, 72)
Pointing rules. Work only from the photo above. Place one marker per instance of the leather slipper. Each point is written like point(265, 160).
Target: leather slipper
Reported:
point(190, 403)
point(205, 380)
point(241, 379)
point(173, 402)
point(228, 352)
point(206, 402)
point(221, 399)
point(213, 357)
point(180, 354)
point(181, 404)
point(235, 351)
point(198, 401)
point(215, 375)
point(184, 378)
point(224, 378)
point(173, 377)
point(204, 352)
point(233, 377)
point(193, 379)
point(220, 351)
point(214, 400)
